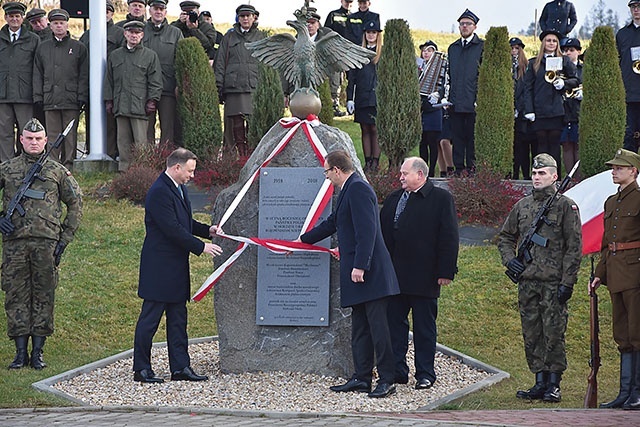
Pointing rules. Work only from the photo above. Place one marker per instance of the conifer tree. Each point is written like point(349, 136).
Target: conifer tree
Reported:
point(398, 94)
point(268, 104)
point(326, 113)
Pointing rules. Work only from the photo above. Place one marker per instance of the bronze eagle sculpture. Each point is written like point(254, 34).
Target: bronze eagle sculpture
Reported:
point(303, 62)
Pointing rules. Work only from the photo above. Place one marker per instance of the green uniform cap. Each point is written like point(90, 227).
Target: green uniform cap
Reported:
point(58, 14)
point(134, 26)
point(625, 158)
point(14, 7)
point(33, 125)
point(162, 3)
point(35, 13)
point(544, 160)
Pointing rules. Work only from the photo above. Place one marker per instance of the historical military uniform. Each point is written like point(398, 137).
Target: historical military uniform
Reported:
point(163, 40)
point(29, 270)
point(205, 32)
point(619, 270)
point(553, 271)
point(16, 71)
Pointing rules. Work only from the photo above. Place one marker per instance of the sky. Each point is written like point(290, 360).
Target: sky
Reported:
point(420, 14)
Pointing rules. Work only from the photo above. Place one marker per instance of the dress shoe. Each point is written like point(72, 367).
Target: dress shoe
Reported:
point(423, 384)
point(383, 390)
point(353, 384)
point(187, 374)
point(146, 376)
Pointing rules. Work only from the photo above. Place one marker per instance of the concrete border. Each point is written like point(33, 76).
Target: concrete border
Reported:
point(46, 385)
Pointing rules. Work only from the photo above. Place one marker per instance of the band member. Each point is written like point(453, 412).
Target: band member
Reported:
point(628, 44)
point(524, 141)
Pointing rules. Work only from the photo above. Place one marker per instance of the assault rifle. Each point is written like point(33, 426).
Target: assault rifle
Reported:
point(6, 226)
point(532, 237)
point(591, 398)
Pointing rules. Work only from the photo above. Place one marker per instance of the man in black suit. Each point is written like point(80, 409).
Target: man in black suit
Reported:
point(164, 283)
point(367, 278)
point(420, 229)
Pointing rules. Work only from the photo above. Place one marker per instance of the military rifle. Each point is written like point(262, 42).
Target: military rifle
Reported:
point(24, 191)
point(532, 237)
point(591, 398)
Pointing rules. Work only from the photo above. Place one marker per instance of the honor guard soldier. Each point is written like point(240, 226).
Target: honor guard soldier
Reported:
point(32, 244)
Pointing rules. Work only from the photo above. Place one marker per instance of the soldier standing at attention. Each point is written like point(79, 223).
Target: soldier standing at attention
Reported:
point(32, 245)
point(546, 283)
point(619, 270)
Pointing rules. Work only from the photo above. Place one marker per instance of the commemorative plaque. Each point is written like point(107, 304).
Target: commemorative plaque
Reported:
point(291, 290)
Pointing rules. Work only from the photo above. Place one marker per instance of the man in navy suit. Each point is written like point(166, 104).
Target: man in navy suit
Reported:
point(164, 283)
point(367, 278)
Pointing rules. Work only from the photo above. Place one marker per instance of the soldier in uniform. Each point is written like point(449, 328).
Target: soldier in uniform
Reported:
point(619, 270)
point(39, 23)
point(547, 282)
point(136, 12)
point(132, 89)
point(17, 48)
point(61, 82)
point(115, 39)
point(163, 39)
point(32, 245)
point(197, 27)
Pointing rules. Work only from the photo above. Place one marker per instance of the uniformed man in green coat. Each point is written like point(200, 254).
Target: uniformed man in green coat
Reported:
point(39, 24)
point(131, 91)
point(193, 24)
point(32, 245)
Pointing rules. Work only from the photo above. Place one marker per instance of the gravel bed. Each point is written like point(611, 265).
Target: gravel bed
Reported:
point(113, 385)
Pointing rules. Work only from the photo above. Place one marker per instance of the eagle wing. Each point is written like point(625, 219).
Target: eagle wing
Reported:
point(336, 54)
point(277, 52)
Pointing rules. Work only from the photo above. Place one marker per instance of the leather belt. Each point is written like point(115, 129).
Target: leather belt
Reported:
point(613, 247)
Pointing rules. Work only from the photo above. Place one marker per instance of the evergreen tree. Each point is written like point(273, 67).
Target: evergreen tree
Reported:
point(268, 104)
point(326, 113)
point(603, 108)
point(197, 99)
point(398, 94)
point(494, 112)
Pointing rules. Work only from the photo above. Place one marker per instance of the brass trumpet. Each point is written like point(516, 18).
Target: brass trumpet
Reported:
point(572, 93)
point(551, 76)
point(635, 66)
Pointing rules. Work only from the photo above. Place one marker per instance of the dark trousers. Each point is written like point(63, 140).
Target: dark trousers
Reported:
point(632, 131)
point(177, 339)
point(524, 146)
point(429, 149)
point(549, 142)
point(425, 334)
point(369, 334)
point(626, 319)
point(464, 145)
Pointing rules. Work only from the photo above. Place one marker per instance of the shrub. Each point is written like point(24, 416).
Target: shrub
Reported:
point(215, 173)
point(134, 183)
point(483, 197)
point(152, 156)
point(268, 104)
point(198, 99)
point(326, 113)
point(384, 182)
point(603, 110)
point(494, 123)
point(398, 94)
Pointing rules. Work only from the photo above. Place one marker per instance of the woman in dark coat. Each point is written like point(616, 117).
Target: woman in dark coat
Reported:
point(523, 142)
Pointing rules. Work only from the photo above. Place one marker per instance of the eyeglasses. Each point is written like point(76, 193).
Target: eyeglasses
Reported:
point(466, 24)
point(326, 171)
point(634, 7)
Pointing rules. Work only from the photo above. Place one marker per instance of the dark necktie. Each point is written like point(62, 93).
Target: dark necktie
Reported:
point(14, 37)
point(180, 191)
point(464, 43)
point(402, 203)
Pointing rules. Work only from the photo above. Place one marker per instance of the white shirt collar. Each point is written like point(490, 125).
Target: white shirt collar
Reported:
point(171, 178)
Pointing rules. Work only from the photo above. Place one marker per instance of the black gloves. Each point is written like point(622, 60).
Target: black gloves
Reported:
point(564, 293)
point(516, 266)
point(57, 252)
point(6, 226)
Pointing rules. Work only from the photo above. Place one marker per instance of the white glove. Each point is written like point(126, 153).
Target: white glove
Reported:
point(515, 115)
point(434, 98)
point(558, 84)
point(351, 107)
point(530, 116)
point(578, 95)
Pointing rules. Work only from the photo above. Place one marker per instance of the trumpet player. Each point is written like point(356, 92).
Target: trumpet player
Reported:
point(628, 44)
point(572, 49)
point(548, 76)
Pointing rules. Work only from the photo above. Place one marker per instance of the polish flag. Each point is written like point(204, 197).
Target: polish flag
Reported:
point(590, 195)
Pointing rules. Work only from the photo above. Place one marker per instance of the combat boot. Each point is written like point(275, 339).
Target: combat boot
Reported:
point(633, 402)
point(537, 391)
point(553, 395)
point(626, 382)
point(36, 352)
point(22, 357)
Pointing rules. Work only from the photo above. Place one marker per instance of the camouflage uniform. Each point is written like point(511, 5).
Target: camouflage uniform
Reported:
point(29, 274)
point(544, 319)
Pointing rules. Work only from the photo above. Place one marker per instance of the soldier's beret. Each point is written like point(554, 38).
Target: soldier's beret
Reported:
point(469, 15)
point(35, 13)
point(246, 8)
point(427, 44)
point(110, 6)
point(189, 5)
point(162, 3)
point(372, 26)
point(33, 125)
point(58, 15)
point(544, 160)
point(625, 158)
point(134, 25)
point(515, 41)
point(553, 31)
point(570, 42)
point(14, 7)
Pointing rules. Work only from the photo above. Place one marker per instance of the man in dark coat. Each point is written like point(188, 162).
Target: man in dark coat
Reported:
point(199, 28)
point(627, 38)
point(164, 283)
point(465, 55)
point(420, 229)
point(559, 15)
point(136, 11)
point(367, 278)
point(356, 22)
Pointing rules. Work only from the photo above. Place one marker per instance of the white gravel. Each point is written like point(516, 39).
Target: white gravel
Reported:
point(113, 385)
